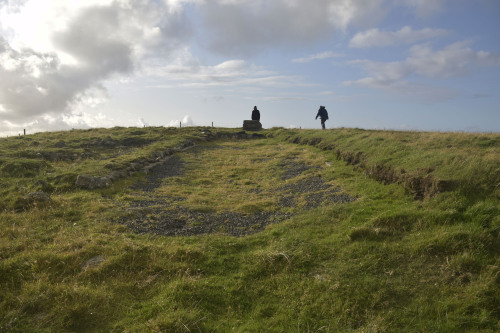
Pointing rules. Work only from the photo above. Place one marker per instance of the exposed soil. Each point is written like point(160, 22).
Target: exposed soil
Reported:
point(159, 214)
point(171, 168)
point(420, 183)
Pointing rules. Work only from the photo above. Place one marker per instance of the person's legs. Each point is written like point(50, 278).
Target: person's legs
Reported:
point(322, 123)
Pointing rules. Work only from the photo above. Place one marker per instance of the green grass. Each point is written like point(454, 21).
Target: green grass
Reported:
point(232, 177)
point(386, 262)
point(467, 162)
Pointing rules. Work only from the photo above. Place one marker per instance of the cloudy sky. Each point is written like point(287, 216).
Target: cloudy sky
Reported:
point(385, 64)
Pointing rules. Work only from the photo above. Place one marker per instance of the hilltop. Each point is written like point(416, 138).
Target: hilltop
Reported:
point(208, 229)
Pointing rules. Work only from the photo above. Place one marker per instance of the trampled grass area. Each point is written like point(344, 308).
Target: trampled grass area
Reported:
point(385, 262)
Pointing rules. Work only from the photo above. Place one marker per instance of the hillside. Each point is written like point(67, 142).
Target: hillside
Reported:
point(206, 229)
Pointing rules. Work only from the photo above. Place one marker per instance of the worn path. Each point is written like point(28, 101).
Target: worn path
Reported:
point(234, 188)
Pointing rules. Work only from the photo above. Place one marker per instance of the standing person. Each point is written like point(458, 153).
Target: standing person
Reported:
point(255, 114)
point(323, 115)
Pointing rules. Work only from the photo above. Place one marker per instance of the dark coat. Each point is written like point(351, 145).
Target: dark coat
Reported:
point(322, 113)
point(256, 115)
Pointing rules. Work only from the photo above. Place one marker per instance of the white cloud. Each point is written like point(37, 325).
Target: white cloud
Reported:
point(419, 92)
point(143, 123)
point(406, 35)
point(454, 60)
point(59, 52)
point(319, 56)
point(55, 55)
point(56, 122)
point(283, 98)
point(185, 122)
point(188, 72)
point(258, 25)
point(424, 8)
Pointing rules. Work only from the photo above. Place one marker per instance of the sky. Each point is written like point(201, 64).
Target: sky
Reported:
point(430, 65)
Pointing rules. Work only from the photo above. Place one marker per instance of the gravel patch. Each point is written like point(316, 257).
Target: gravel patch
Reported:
point(171, 168)
point(186, 222)
point(293, 168)
point(311, 184)
point(317, 191)
point(314, 200)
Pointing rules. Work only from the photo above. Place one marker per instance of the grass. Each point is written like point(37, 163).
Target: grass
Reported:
point(468, 162)
point(232, 177)
point(386, 262)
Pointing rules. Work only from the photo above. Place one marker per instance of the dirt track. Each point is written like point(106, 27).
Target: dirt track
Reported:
point(159, 214)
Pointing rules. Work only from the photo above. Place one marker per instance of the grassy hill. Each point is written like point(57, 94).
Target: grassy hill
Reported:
point(214, 230)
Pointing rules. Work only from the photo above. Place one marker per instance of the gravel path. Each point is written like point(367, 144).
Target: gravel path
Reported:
point(159, 216)
point(185, 222)
point(171, 168)
point(293, 168)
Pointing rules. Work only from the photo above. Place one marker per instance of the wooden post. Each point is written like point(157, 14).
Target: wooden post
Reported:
point(180, 124)
point(212, 124)
point(25, 131)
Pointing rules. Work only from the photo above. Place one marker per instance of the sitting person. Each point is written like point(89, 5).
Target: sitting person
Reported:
point(255, 114)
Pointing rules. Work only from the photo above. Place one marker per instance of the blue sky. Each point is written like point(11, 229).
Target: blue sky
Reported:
point(382, 64)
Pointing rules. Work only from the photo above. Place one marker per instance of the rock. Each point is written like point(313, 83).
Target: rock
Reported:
point(101, 182)
point(34, 199)
point(252, 125)
point(60, 144)
point(147, 169)
point(186, 144)
point(117, 174)
point(92, 182)
point(135, 142)
point(108, 143)
point(51, 156)
point(135, 166)
point(84, 181)
point(39, 197)
point(42, 183)
point(93, 262)
point(44, 186)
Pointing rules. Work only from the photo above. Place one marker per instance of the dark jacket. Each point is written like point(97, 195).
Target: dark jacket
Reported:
point(256, 115)
point(322, 113)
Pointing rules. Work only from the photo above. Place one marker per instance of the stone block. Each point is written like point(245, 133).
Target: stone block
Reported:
point(252, 125)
